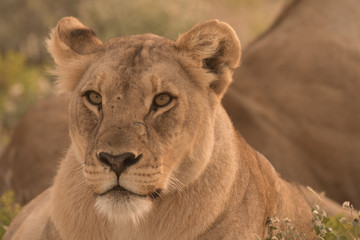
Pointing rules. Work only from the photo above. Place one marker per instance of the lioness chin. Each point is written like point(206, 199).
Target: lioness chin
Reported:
point(154, 155)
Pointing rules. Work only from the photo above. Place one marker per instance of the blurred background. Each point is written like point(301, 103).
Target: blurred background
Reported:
point(24, 25)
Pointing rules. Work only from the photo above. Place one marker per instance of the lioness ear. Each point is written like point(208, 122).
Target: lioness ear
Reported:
point(217, 48)
point(69, 44)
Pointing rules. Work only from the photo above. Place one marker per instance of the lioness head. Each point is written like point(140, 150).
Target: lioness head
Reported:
point(142, 108)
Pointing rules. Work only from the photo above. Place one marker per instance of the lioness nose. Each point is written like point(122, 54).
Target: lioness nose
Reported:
point(118, 163)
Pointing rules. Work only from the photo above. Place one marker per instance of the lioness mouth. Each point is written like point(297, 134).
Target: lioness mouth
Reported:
point(121, 190)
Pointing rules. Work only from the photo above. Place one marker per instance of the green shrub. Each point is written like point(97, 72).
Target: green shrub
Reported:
point(8, 210)
point(282, 230)
point(337, 227)
point(326, 228)
point(20, 86)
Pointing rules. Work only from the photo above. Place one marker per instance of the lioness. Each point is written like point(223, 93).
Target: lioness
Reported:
point(154, 155)
point(300, 108)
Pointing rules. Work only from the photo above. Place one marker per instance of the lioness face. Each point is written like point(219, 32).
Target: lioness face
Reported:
point(141, 111)
point(138, 101)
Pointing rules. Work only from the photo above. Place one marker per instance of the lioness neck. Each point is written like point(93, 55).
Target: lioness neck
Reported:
point(184, 214)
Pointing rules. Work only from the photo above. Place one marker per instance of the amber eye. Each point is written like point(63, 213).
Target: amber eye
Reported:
point(93, 97)
point(162, 100)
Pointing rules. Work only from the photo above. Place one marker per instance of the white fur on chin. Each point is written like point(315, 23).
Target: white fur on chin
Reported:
point(127, 208)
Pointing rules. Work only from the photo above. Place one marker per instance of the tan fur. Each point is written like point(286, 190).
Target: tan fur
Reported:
point(26, 166)
point(296, 98)
point(312, 141)
point(210, 183)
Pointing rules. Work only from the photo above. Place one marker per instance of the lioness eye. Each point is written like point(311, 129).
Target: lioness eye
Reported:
point(93, 98)
point(162, 100)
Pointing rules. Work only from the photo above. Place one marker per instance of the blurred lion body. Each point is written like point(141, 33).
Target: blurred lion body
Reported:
point(29, 162)
point(192, 176)
point(296, 97)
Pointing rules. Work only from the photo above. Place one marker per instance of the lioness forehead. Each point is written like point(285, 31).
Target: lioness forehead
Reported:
point(138, 50)
point(135, 54)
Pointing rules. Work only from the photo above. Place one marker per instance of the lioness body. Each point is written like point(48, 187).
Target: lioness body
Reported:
point(154, 154)
point(231, 206)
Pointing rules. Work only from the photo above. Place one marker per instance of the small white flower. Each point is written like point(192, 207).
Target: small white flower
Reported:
point(323, 213)
point(287, 220)
point(342, 220)
point(346, 204)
